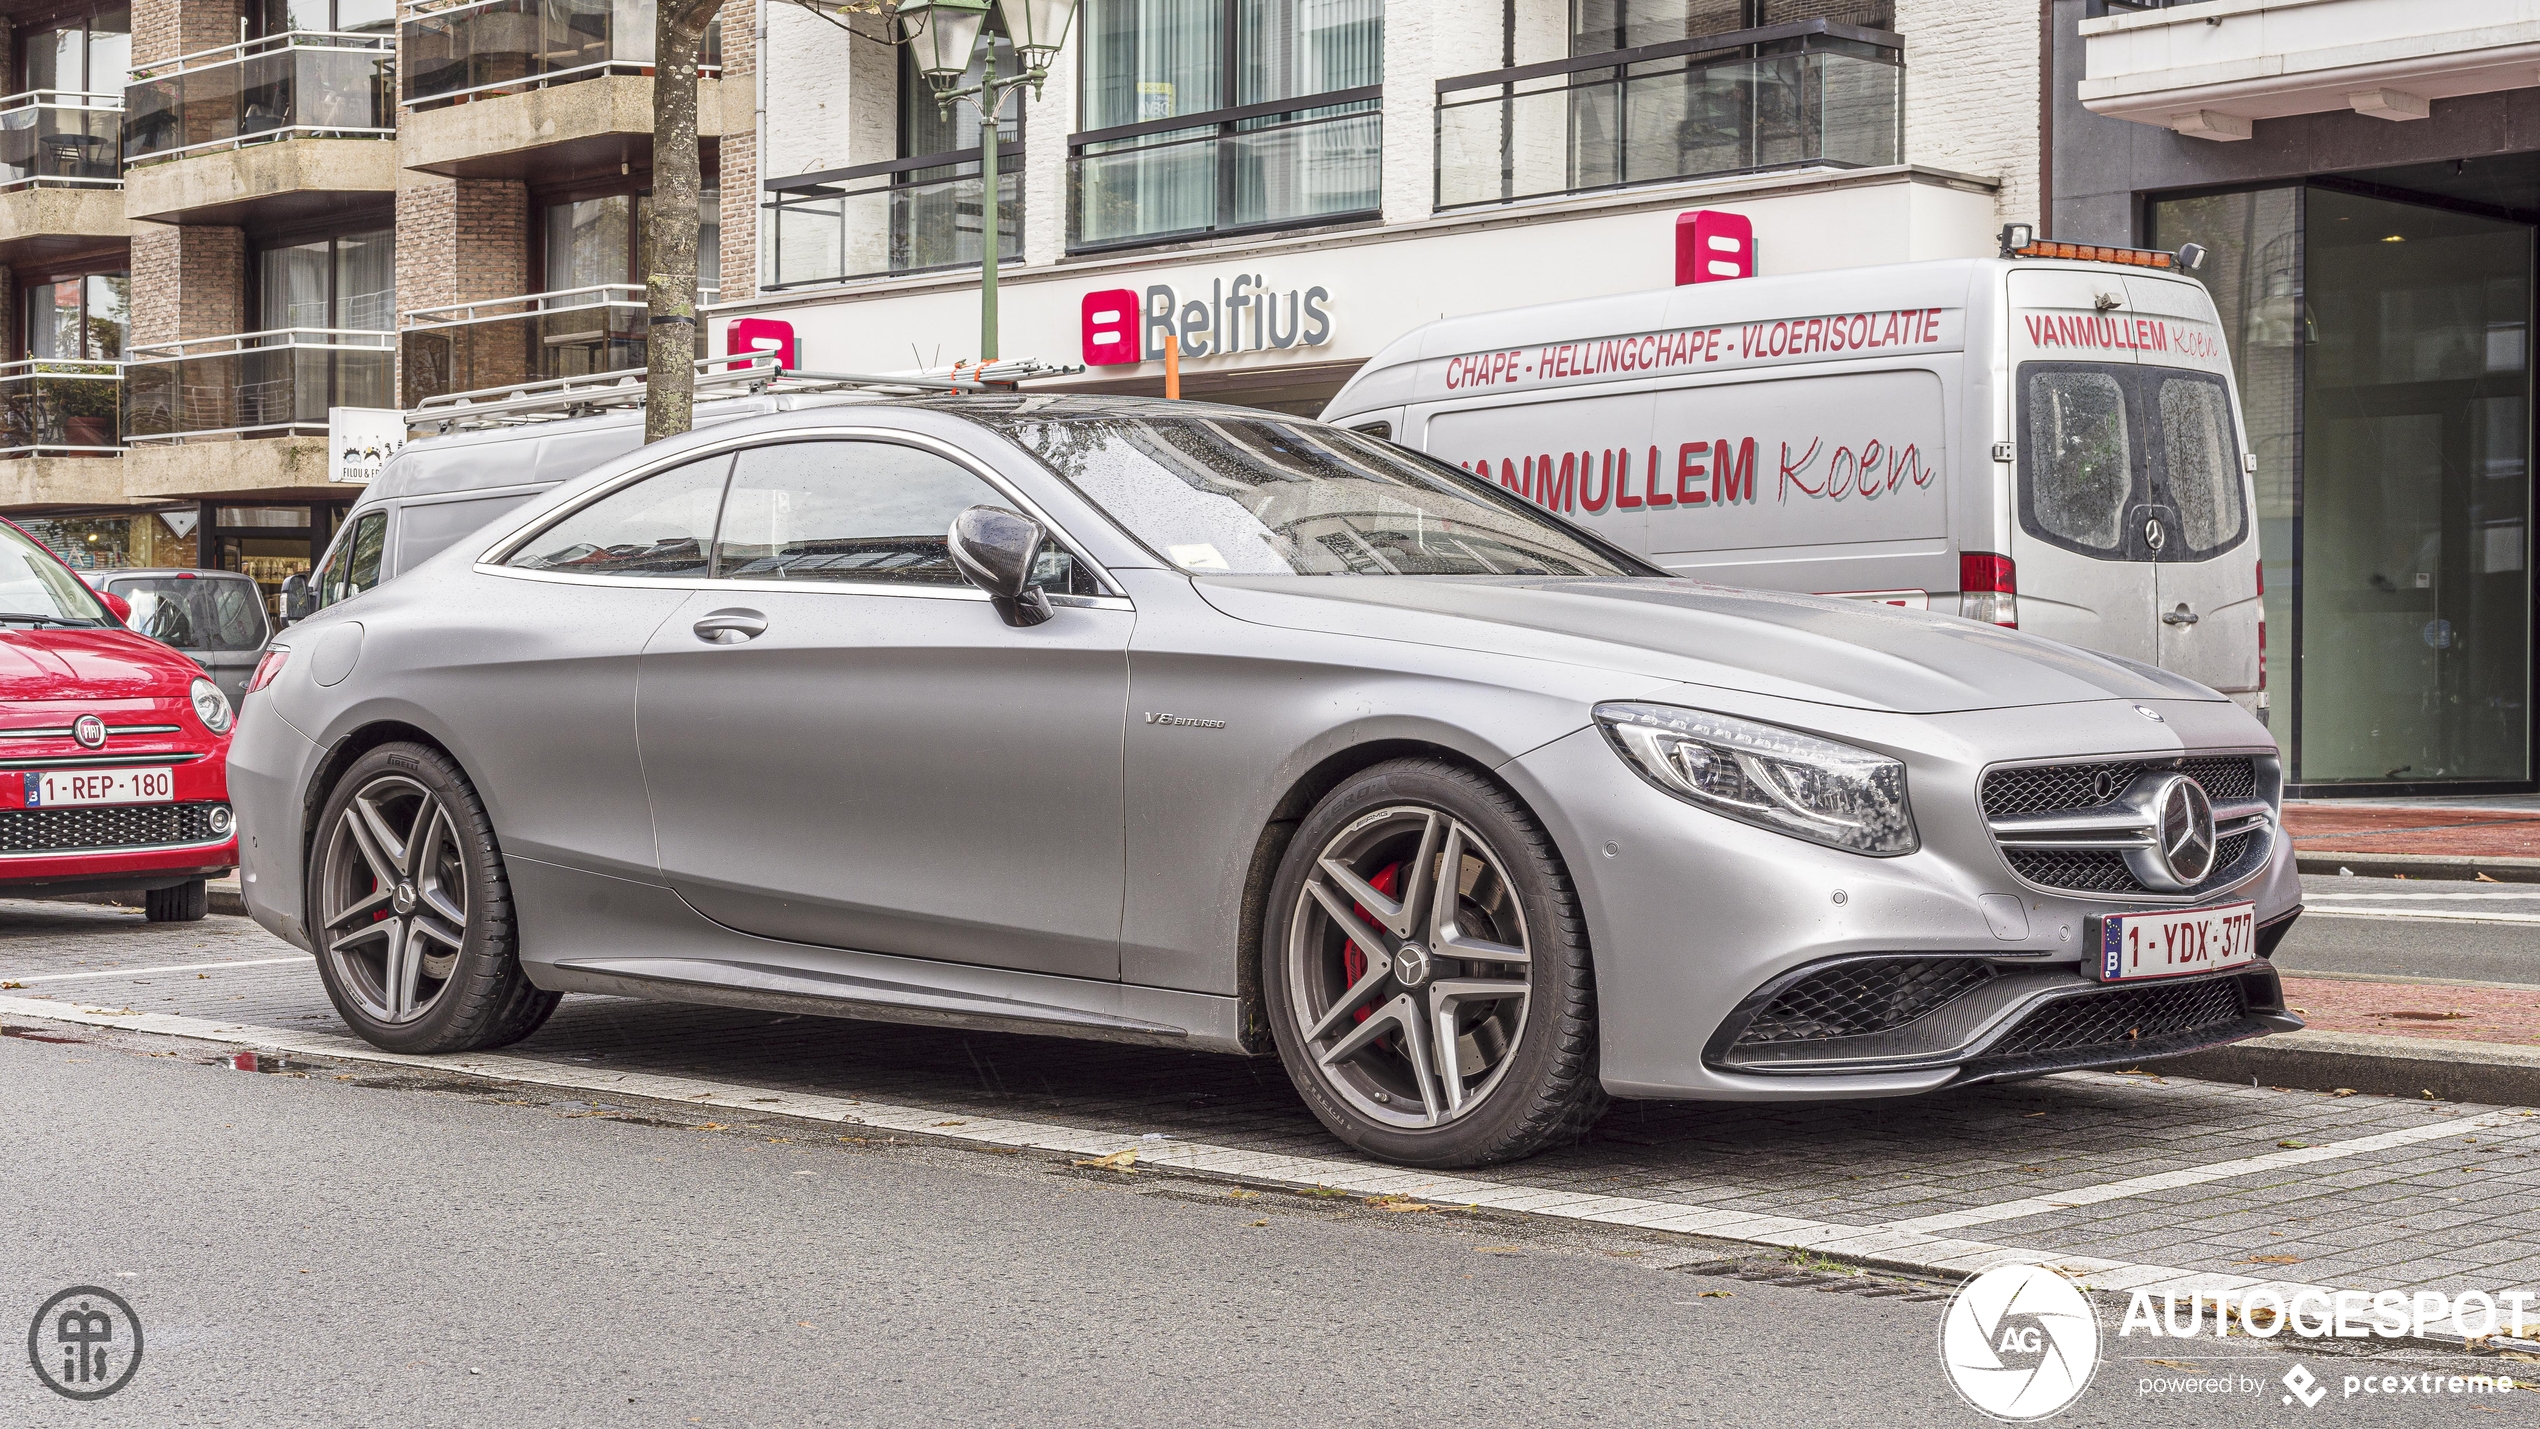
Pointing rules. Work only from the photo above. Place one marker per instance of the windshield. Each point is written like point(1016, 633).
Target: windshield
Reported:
point(2129, 463)
point(198, 613)
point(33, 585)
point(1242, 494)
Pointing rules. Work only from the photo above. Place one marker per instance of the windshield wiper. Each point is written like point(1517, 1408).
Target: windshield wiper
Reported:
point(7, 616)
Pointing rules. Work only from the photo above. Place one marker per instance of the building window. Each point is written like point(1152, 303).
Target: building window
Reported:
point(1225, 115)
point(90, 54)
point(1600, 26)
point(338, 17)
point(86, 318)
point(346, 283)
point(605, 241)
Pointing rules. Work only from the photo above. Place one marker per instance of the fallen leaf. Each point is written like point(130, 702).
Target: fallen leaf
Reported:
point(1243, 1195)
point(12, 984)
point(2430, 1096)
point(2025, 1116)
point(2483, 878)
point(2292, 1145)
point(2271, 1260)
point(1715, 1295)
point(1261, 1223)
point(1325, 1191)
point(1398, 1203)
point(2427, 1016)
point(711, 1126)
point(1120, 1160)
point(2345, 1092)
point(2173, 1364)
point(952, 1123)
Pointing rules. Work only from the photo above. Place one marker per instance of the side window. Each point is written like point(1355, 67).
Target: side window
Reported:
point(353, 566)
point(2077, 472)
point(659, 527)
point(856, 511)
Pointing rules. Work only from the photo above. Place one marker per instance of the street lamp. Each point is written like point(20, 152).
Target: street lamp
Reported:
point(945, 34)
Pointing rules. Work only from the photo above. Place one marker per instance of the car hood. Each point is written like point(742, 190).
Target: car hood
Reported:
point(1801, 647)
point(55, 663)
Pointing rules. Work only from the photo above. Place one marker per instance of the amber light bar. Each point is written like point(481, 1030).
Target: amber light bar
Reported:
point(2019, 240)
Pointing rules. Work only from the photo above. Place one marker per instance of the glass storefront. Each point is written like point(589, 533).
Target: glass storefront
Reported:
point(121, 540)
point(2384, 354)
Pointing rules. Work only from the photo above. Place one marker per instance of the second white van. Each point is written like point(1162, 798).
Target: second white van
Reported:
point(2051, 442)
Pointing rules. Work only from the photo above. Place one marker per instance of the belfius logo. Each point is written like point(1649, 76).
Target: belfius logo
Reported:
point(1244, 313)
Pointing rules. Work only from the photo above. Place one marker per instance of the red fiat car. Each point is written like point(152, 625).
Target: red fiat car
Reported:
point(114, 749)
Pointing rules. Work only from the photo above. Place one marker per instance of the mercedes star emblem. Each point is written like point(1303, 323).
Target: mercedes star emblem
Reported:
point(2186, 830)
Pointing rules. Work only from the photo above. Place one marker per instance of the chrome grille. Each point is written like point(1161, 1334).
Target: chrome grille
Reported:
point(2053, 788)
point(1863, 997)
point(110, 826)
point(2068, 826)
point(2093, 871)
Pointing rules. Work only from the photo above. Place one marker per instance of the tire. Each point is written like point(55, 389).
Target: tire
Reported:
point(185, 903)
point(1521, 1074)
point(411, 910)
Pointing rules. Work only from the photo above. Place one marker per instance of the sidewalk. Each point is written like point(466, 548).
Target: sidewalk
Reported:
point(2489, 839)
point(2447, 1041)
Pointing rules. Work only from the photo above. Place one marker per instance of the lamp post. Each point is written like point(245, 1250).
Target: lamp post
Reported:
point(945, 34)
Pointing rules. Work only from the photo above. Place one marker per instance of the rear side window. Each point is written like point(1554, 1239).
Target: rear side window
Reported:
point(199, 614)
point(427, 528)
point(660, 527)
point(2081, 457)
point(2129, 463)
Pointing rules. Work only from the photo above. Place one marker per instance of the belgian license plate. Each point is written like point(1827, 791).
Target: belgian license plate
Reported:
point(2139, 947)
point(99, 786)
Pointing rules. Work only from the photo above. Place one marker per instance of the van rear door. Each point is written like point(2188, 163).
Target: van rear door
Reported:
point(2080, 538)
point(2206, 581)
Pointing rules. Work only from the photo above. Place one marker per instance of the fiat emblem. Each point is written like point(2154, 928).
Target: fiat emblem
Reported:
point(2186, 830)
point(89, 730)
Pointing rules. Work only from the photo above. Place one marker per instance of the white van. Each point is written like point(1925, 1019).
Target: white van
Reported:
point(2043, 442)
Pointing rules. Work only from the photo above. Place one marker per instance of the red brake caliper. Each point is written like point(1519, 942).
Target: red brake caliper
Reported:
point(1354, 962)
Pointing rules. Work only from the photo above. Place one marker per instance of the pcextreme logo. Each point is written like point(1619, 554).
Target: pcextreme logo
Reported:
point(2019, 1342)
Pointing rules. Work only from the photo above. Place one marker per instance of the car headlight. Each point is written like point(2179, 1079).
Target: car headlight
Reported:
point(1780, 779)
point(211, 706)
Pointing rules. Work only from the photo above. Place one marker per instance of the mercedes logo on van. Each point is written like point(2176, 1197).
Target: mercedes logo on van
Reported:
point(2153, 535)
point(2186, 831)
point(89, 730)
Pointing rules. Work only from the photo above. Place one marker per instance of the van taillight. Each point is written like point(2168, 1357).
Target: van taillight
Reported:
point(2262, 628)
point(267, 668)
point(1988, 589)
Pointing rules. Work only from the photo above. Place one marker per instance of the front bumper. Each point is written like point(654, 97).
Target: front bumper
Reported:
point(1696, 919)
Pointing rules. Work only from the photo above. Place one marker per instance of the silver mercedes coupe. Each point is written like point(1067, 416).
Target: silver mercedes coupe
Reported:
point(1166, 723)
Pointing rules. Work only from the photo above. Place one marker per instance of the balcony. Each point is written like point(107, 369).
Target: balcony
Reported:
point(916, 215)
point(61, 175)
point(257, 384)
point(469, 347)
point(50, 408)
point(256, 133)
point(1287, 163)
point(2211, 71)
point(558, 89)
point(1810, 93)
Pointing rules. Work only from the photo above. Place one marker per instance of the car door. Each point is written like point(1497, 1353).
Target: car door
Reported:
point(845, 746)
point(2207, 582)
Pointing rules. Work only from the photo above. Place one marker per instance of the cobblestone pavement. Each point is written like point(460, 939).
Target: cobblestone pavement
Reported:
point(2449, 1211)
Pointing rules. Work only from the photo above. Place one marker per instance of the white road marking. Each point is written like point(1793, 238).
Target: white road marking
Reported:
point(2480, 896)
point(1897, 1245)
point(2429, 915)
point(170, 968)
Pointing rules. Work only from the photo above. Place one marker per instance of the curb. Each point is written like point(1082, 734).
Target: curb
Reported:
point(2458, 867)
point(2491, 1073)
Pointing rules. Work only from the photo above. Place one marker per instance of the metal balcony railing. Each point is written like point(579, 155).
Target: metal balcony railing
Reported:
point(466, 49)
point(1286, 163)
point(1803, 94)
point(501, 342)
point(301, 84)
point(905, 216)
point(54, 408)
point(255, 384)
point(59, 138)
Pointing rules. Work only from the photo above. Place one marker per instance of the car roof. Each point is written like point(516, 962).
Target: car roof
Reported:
point(540, 454)
point(121, 572)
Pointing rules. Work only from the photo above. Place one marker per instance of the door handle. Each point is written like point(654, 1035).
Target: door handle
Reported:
point(730, 627)
point(2181, 616)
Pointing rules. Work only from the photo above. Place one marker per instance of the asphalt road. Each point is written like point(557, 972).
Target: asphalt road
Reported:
point(362, 1245)
point(2478, 932)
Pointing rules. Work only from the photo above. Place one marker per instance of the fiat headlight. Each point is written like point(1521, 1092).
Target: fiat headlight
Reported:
point(1780, 779)
point(211, 706)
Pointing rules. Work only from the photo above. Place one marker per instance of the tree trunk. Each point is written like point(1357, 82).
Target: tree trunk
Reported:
point(670, 289)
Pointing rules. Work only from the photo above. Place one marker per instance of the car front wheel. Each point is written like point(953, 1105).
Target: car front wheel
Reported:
point(1426, 971)
point(411, 911)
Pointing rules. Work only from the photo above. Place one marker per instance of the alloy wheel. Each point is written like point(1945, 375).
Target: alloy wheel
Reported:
point(1409, 966)
point(393, 898)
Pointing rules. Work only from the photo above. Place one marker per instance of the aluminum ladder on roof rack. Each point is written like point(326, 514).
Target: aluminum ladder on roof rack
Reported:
point(559, 398)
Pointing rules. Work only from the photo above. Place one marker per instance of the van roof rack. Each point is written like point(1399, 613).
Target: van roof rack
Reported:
point(559, 399)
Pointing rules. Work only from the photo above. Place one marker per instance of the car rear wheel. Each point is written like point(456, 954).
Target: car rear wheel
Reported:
point(1426, 971)
point(185, 903)
point(411, 911)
